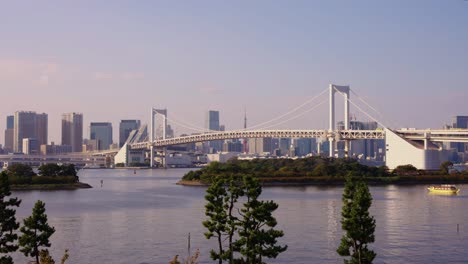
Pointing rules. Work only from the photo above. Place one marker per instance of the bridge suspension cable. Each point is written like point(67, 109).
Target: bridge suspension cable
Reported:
point(371, 107)
point(259, 126)
point(296, 116)
point(364, 112)
point(188, 126)
point(192, 127)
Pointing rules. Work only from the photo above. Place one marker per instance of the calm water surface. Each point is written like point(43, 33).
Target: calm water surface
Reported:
point(145, 218)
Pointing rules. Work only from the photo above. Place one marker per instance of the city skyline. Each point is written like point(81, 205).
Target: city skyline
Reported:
point(189, 59)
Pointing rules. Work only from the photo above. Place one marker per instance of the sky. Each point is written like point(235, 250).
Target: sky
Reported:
point(113, 60)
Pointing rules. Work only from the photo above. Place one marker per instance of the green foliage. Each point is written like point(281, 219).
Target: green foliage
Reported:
point(444, 167)
point(53, 169)
point(217, 217)
point(35, 232)
point(64, 257)
point(8, 223)
point(50, 169)
point(46, 258)
point(191, 260)
point(253, 223)
point(54, 180)
point(257, 236)
point(283, 168)
point(404, 170)
point(20, 173)
point(120, 165)
point(221, 198)
point(358, 225)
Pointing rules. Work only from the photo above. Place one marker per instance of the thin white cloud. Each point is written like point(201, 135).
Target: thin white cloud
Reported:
point(14, 70)
point(103, 76)
point(130, 76)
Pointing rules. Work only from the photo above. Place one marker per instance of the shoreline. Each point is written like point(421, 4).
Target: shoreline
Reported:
point(303, 181)
point(51, 187)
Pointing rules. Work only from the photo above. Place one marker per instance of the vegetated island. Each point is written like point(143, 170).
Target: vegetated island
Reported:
point(320, 171)
point(50, 177)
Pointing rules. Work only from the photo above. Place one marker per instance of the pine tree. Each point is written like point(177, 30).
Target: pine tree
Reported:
point(36, 232)
point(257, 236)
point(358, 225)
point(8, 222)
point(217, 217)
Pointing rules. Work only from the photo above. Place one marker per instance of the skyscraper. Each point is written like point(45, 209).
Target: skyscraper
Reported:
point(212, 120)
point(29, 125)
point(212, 124)
point(459, 122)
point(72, 131)
point(9, 131)
point(41, 128)
point(102, 132)
point(125, 127)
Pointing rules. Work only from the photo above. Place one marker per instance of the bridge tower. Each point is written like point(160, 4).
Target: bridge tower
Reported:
point(343, 90)
point(154, 113)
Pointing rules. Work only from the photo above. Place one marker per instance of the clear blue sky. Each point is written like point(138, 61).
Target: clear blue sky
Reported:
point(113, 60)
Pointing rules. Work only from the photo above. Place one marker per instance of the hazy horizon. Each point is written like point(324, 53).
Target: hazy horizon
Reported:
point(115, 60)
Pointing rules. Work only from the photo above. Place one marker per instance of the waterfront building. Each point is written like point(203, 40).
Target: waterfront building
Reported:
point(9, 134)
point(29, 125)
point(260, 145)
point(284, 145)
point(401, 151)
point(30, 146)
point(72, 131)
point(90, 145)
point(305, 146)
point(459, 122)
point(125, 127)
point(232, 146)
point(53, 149)
point(102, 132)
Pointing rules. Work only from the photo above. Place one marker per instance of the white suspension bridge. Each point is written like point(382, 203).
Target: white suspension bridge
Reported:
point(423, 155)
point(403, 146)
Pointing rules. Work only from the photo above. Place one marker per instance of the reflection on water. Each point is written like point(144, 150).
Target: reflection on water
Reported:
point(145, 218)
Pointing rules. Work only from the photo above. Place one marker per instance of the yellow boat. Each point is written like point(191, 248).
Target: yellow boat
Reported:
point(444, 189)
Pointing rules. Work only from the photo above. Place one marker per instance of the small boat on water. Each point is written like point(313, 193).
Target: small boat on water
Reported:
point(443, 189)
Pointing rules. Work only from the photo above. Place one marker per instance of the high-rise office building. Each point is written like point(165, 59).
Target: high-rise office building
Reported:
point(212, 120)
point(30, 146)
point(212, 124)
point(125, 127)
point(72, 131)
point(10, 128)
point(260, 145)
point(102, 132)
point(41, 128)
point(459, 122)
point(29, 125)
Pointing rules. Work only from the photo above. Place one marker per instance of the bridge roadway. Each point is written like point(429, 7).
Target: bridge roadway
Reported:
point(447, 135)
point(325, 134)
point(450, 135)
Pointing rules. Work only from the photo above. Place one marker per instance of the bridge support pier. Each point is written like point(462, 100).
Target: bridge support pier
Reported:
point(344, 90)
point(331, 147)
point(346, 148)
